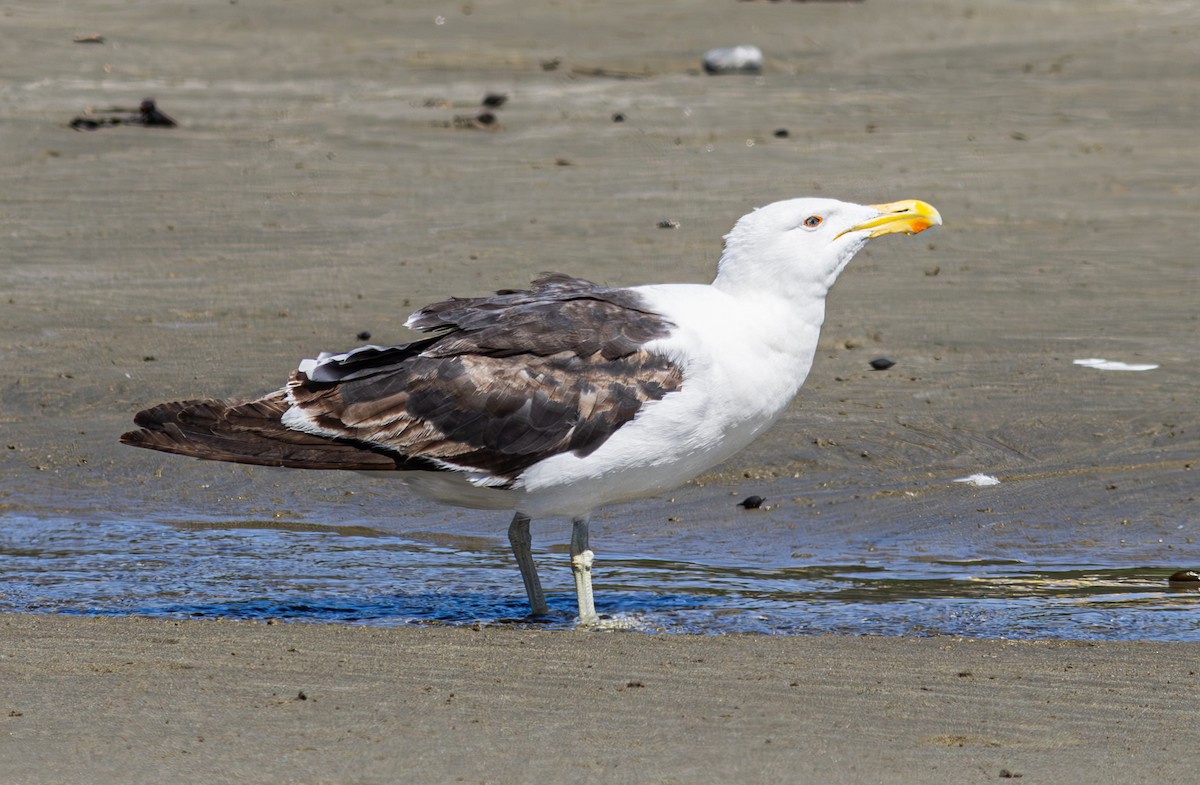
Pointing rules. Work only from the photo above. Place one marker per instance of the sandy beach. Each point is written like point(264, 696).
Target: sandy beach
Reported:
point(136, 701)
point(327, 177)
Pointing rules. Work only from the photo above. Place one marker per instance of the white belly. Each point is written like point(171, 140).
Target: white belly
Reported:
point(742, 364)
point(741, 370)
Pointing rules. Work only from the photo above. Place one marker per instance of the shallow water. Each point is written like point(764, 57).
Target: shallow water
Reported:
point(244, 570)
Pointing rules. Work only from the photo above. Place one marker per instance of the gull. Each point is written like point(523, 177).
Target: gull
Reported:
point(553, 400)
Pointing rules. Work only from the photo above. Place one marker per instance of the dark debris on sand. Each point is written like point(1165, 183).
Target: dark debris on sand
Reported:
point(148, 115)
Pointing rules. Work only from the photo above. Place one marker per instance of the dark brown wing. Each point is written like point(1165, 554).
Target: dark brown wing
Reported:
point(508, 381)
point(512, 379)
point(495, 416)
point(557, 314)
point(248, 432)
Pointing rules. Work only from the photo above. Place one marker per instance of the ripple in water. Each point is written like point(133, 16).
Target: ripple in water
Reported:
point(358, 576)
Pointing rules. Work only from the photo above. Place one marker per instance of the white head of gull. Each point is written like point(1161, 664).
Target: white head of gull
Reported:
point(556, 399)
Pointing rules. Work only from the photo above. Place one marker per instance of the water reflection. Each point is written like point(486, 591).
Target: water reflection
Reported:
point(323, 574)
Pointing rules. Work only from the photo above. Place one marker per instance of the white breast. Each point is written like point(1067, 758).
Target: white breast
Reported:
point(743, 362)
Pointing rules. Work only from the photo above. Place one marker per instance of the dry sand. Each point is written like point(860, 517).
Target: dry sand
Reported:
point(318, 187)
point(137, 701)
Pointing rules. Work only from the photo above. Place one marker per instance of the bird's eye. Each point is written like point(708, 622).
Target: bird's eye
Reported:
point(812, 222)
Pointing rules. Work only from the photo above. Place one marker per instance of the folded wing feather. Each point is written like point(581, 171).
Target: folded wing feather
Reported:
point(504, 382)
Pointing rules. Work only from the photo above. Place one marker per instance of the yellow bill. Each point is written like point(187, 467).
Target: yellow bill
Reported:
point(909, 216)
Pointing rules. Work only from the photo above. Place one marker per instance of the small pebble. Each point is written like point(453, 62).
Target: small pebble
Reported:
point(881, 363)
point(752, 502)
point(495, 100)
point(483, 121)
point(149, 115)
point(782, 133)
point(734, 60)
point(364, 336)
point(618, 117)
point(668, 223)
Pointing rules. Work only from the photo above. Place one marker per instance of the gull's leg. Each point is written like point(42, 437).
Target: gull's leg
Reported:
point(581, 565)
point(520, 539)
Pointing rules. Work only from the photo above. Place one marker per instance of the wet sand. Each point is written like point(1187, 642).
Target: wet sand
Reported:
point(135, 701)
point(318, 186)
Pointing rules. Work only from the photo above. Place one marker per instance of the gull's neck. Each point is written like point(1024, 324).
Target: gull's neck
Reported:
point(747, 272)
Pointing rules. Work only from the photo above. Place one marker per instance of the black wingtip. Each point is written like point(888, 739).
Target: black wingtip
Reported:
point(132, 438)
